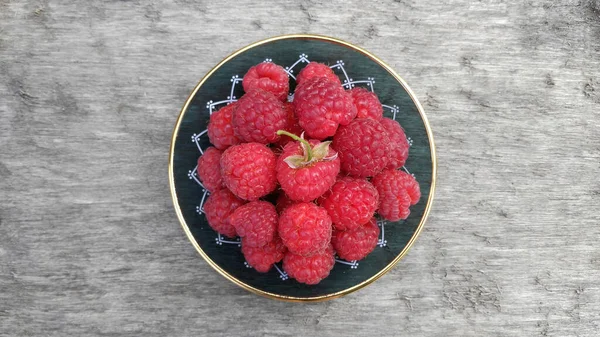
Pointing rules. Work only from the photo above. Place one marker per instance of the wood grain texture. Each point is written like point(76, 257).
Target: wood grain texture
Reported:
point(89, 241)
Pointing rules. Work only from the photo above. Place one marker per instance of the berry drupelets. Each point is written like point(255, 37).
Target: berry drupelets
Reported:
point(357, 243)
point(306, 169)
point(218, 207)
point(398, 190)
point(255, 222)
point(269, 77)
point(350, 203)
point(305, 228)
point(398, 143)
point(220, 129)
point(209, 169)
point(363, 147)
point(292, 125)
point(248, 170)
point(257, 117)
point(316, 69)
point(262, 258)
point(321, 106)
point(367, 104)
point(309, 269)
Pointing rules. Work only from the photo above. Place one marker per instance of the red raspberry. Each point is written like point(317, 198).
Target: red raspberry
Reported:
point(356, 244)
point(262, 258)
point(305, 228)
point(217, 208)
point(258, 116)
point(209, 169)
point(367, 104)
point(315, 69)
point(397, 191)
point(398, 143)
point(248, 170)
point(269, 77)
point(220, 129)
point(321, 106)
point(283, 201)
point(306, 170)
point(309, 269)
point(256, 222)
point(363, 147)
point(350, 203)
point(292, 125)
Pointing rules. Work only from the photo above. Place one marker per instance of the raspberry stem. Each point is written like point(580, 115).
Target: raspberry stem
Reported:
point(309, 153)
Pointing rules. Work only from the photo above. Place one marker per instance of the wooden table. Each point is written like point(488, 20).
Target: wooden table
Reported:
point(89, 241)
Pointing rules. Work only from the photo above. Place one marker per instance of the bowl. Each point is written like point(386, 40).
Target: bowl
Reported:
point(355, 67)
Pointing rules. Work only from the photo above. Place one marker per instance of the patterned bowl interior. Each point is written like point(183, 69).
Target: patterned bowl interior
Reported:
point(224, 86)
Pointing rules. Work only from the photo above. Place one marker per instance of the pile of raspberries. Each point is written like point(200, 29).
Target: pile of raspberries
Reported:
point(301, 181)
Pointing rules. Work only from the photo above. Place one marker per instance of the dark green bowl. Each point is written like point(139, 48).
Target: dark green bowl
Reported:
point(356, 67)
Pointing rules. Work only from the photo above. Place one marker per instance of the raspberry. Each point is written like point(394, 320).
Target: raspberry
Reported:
point(367, 104)
point(398, 143)
point(315, 69)
point(311, 269)
point(256, 222)
point(248, 170)
point(217, 208)
point(397, 191)
point(262, 258)
point(292, 125)
point(220, 130)
point(305, 170)
point(283, 201)
point(305, 228)
point(356, 243)
point(363, 147)
point(321, 106)
point(257, 117)
point(269, 77)
point(350, 203)
point(209, 169)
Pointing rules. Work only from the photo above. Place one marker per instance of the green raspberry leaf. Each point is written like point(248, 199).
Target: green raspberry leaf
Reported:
point(321, 150)
point(295, 161)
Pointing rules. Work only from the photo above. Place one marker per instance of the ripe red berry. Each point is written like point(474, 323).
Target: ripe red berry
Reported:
point(321, 106)
point(315, 69)
point(306, 170)
point(269, 77)
point(256, 222)
point(249, 170)
point(209, 169)
point(367, 104)
point(398, 190)
point(257, 117)
point(292, 125)
point(218, 207)
point(363, 147)
point(356, 244)
point(305, 228)
point(220, 129)
point(350, 203)
point(398, 143)
point(263, 258)
point(309, 269)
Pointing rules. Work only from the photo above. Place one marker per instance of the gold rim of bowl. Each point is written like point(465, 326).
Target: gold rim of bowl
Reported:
point(342, 292)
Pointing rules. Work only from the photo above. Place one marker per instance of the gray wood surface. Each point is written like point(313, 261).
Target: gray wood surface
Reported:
point(89, 241)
